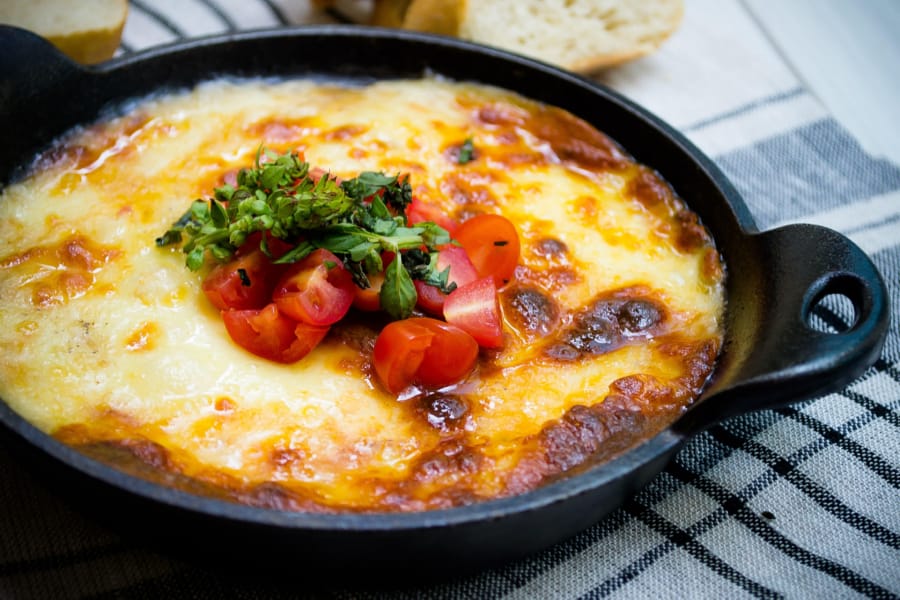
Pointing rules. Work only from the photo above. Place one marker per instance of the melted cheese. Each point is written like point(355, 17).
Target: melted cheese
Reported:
point(107, 339)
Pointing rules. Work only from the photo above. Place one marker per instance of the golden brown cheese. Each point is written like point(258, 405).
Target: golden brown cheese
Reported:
point(611, 325)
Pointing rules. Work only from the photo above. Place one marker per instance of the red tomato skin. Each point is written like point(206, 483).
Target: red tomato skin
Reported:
point(306, 337)
point(450, 357)
point(316, 173)
point(276, 247)
point(419, 212)
point(475, 308)
point(225, 288)
point(425, 351)
point(430, 298)
point(318, 290)
point(271, 335)
point(399, 352)
point(492, 243)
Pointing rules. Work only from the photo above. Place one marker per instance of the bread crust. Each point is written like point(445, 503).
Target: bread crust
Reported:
point(449, 17)
point(90, 35)
point(435, 16)
point(89, 47)
point(389, 13)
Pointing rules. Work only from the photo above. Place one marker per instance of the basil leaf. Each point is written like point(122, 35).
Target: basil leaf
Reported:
point(271, 176)
point(199, 211)
point(224, 193)
point(299, 252)
point(385, 227)
point(398, 294)
point(217, 213)
point(433, 234)
point(359, 252)
point(195, 258)
point(379, 210)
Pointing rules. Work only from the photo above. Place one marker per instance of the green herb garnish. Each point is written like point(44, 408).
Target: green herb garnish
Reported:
point(398, 294)
point(356, 219)
point(466, 152)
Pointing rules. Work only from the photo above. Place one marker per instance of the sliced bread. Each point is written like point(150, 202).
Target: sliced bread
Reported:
point(581, 35)
point(88, 31)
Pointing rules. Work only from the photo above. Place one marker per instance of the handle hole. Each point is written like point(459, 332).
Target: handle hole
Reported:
point(832, 313)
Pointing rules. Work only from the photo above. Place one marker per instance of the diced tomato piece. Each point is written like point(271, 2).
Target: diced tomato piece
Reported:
point(422, 351)
point(419, 212)
point(492, 243)
point(430, 298)
point(450, 357)
point(245, 282)
point(277, 248)
point(316, 173)
point(318, 290)
point(399, 352)
point(272, 335)
point(475, 308)
point(230, 177)
point(369, 299)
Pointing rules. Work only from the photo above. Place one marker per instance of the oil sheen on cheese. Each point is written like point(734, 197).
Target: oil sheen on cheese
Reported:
point(611, 324)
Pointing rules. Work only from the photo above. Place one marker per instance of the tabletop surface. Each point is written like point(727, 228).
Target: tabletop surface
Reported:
point(801, 501)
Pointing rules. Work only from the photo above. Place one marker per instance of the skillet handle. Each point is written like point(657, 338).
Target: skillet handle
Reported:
point(35, 79)
point(774, 357)
point(30, 66)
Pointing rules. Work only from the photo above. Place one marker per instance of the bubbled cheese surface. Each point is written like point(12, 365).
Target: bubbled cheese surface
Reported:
point(108, 339)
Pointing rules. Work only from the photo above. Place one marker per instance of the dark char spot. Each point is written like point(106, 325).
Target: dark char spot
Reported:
point(531, 310)
point(604, 326)
point(443, 411)
point(637, 316)
point(550, 248)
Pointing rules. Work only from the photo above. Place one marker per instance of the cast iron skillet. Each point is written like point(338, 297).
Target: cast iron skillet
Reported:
point(771, 355)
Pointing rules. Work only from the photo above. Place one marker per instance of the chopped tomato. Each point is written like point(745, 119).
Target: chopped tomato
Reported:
point(318, 290)
point(492, 244)
point(272, 335)
point(430, 298)
point(230, 177)
point(419, 212)
point(475, 308)
point(399, 352)
point(245, 282)
point(316, 173)
point(450, 357)
point(276, 247)
point(422, 351)
point(369, 299)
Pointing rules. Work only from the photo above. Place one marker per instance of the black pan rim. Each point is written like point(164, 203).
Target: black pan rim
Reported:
point(555, 492)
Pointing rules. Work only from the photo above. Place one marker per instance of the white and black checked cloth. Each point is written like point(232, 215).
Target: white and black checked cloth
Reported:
point(800, 502)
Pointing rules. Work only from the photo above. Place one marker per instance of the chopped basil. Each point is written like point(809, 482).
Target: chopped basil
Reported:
point(356, 219)
point(466, 152)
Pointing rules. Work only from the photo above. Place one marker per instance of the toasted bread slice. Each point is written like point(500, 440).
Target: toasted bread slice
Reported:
point(88, 31)
point(581, 35)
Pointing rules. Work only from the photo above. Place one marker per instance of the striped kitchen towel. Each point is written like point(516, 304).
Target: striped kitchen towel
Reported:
point(797, 502)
